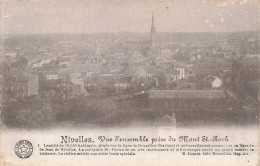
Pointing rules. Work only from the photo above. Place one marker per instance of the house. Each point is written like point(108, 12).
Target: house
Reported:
point(148, 71)
point(20, 63)
point(172, 75)
point(75, 75)
point(52, 76)
point(160, 61)
point(167, 53)
point(75, 87)
point(211, 66)
point(122, 83)
point(43, 62)
point(182, 73)
point(20, 84)
point(89, 74)
point(217, 82)
point(193, 58)
point(33, 84)
point(89, 83)
point(65, 72)
point(213, 81)
point(45, 70)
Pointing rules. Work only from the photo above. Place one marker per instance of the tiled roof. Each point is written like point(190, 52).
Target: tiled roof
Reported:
point(210, 66)
point(186, 94)
point(21, 75)
point(18, 74)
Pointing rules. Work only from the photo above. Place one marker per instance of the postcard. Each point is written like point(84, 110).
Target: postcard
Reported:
point(134, 82)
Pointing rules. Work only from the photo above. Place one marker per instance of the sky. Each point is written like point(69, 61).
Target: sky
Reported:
point(94, 16)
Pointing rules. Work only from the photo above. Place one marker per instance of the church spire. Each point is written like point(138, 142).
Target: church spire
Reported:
point(152, 33)
point(152, 20)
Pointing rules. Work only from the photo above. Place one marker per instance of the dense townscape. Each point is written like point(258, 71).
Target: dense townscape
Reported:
point(129, 79)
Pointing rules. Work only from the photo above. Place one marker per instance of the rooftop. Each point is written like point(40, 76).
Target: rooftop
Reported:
point(77, 81)
point(186, 94)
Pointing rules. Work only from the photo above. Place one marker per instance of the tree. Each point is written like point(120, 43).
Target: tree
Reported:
point(30, 112)
point(93, 110)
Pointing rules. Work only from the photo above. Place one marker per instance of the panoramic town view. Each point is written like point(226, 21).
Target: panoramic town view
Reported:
point(99, 82)
point(130, 79)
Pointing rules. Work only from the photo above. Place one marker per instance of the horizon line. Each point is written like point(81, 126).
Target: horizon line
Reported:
point(84, 33)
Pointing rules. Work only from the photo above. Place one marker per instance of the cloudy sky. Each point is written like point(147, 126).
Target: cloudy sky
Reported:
point(88, 16)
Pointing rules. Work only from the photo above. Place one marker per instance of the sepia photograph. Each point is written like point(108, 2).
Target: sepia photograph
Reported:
point(159, 68)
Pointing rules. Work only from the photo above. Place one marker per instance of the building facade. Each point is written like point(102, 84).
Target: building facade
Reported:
point(20, 84)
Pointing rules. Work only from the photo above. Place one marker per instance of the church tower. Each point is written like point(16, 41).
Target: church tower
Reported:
point(152, 33)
